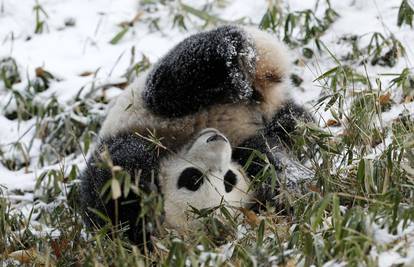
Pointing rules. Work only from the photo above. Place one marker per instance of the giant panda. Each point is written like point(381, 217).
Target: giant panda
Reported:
point(234, 79)
point(200, 175)
point(231, 78)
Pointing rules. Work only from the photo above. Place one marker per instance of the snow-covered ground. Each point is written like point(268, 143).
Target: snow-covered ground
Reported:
point(76, 37)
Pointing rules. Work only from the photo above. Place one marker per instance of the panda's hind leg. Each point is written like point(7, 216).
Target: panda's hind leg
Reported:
point(205, 69)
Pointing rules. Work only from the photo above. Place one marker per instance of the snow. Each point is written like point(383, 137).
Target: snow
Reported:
point(334, 263)
point(16, 180)
point(68, 51)
point(389, 258)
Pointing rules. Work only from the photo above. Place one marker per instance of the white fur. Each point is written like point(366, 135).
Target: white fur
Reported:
point(270, 49)
point(272, 57)
point(126, 111)
point(214, 160)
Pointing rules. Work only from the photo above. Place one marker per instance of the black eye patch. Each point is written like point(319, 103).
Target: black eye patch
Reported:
point(191, 179)
point(230, 180)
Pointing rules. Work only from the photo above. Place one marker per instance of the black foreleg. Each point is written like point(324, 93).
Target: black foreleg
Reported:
point(257, 154)
point(138, 160)
point(269, 143)
point(285, 122)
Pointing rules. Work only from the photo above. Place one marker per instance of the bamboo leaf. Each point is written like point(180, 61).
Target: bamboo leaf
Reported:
point(119, 36)
point(327, 73)
point(116, 189)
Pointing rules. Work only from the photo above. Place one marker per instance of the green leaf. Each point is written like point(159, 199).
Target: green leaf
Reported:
point(318, 216)
point(361, 171)
point(337, 218)
point(201, 14)
point(119, 36)
point(100, 215)
point(405, 14)
point(260, 233)
point(127, 184)
point(327, 73)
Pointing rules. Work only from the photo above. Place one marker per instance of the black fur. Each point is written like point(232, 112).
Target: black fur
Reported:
point(269, 141)
point(230, 181)
point(205, 69)
point(285, 121)
point(137, 157)
point(191, 178)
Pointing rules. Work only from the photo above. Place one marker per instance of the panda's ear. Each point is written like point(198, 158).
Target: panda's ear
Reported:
point(191, 179)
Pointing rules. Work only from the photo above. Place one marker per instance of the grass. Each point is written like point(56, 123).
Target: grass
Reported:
point(363, 164)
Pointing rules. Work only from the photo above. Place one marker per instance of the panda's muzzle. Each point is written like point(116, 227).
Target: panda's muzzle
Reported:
point(215, 138)
point(215, 135)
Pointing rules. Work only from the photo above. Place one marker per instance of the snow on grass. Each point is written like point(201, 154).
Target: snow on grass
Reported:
point(40, 149)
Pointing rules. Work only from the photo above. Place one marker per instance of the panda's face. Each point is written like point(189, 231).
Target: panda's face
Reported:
point(202, 175)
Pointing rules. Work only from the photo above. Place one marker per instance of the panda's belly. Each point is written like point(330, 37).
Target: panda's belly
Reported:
point(236, 122)
point(129, 114)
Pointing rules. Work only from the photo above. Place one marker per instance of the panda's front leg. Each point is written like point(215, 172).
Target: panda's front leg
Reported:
point(276, 133)
point(257, 156)
point(268, 149)
point(136, 158)
point(285, 121)
point(208, 68)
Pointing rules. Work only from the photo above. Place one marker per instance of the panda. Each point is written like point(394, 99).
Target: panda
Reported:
point(201, 174)
point(234, 79)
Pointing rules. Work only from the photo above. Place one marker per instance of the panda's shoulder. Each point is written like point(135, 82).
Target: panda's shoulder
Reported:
point(132, 153)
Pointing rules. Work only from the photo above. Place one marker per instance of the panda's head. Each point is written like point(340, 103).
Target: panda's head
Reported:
point(202, 175)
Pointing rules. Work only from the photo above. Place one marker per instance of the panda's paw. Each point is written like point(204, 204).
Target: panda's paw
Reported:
point(239, 54)
point(285, 122)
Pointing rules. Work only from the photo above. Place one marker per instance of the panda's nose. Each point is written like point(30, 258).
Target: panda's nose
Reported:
point(216, 137)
